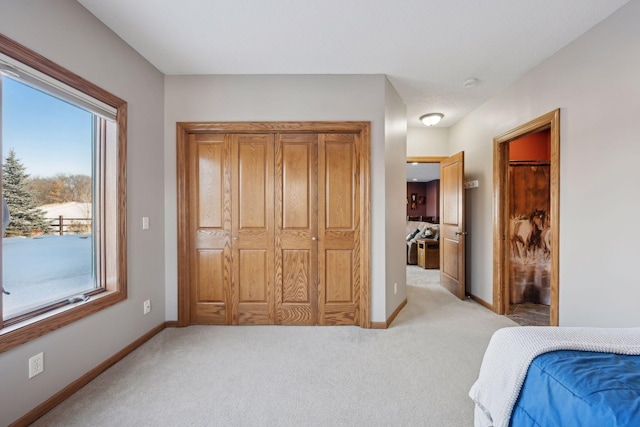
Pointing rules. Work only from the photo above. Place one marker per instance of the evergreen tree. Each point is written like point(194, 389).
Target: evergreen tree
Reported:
point(26, 218)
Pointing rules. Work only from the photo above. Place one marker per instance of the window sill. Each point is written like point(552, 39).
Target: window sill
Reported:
point(20, 333)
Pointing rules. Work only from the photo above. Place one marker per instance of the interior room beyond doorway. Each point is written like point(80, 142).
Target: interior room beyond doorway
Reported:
point(423, 217)
point(530, 233)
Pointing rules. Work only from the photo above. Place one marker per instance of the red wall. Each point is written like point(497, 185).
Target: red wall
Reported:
point(433, 199)
point(536, 146)
point(420, 188)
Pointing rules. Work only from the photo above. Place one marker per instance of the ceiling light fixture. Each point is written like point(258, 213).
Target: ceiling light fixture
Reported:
point(431, 119)
point(470, 83)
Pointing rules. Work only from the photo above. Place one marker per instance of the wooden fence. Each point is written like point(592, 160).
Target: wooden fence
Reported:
point(65, 225)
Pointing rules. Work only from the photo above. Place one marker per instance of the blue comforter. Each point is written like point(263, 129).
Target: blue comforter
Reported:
point(580, 388)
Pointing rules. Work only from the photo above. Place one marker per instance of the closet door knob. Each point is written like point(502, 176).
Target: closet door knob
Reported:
point(314, 238)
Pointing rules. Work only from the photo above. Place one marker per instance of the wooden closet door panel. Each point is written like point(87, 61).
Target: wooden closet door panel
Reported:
point(253, 228)
point(339, 229)
point(296, 229)
point(210, 219)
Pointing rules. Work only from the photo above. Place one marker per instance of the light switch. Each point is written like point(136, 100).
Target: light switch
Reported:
point(471, 184)
point(145, 222)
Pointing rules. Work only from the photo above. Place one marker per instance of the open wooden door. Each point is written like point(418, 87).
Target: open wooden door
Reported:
point(452, 227)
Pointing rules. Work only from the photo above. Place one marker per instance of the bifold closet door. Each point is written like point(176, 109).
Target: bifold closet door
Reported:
point(232, 228)
point(296, 229)
point(210, 229)
point(252, 228)
point(339, 205)
point(274, 223)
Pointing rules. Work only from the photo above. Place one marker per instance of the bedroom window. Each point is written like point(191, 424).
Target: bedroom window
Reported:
point(63, 247)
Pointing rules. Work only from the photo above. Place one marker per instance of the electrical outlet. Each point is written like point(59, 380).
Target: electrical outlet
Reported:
point(395, 288)
point(147, 307)
point(36, 365)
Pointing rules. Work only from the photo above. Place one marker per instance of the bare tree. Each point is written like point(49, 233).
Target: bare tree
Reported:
point(81, 188)
point(61, 189)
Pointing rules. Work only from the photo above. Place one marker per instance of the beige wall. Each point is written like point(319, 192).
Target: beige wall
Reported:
point(427, 141)
point(395, 206)
point(66, 33)
point(285, 98)
point(594, 81)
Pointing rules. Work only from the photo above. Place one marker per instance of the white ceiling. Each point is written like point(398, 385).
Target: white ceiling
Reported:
point(423, 172)
point(428, 48)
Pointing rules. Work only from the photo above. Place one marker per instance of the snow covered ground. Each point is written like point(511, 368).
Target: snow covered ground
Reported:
point(38, 269)
point(68, 210)
point(76, 216)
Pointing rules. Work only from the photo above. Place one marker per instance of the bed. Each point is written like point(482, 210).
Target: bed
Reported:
point(538, 376)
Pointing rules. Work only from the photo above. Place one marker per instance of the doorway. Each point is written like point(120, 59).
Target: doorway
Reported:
point(531, 238)
point(423, 212)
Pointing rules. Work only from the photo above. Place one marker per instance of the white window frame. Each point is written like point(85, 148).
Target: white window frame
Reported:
point(110, 200)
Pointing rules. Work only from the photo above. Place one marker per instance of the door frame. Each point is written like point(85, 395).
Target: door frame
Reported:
point(429, 159)
point(184, 129)
point(501, 256)
point(426, 159)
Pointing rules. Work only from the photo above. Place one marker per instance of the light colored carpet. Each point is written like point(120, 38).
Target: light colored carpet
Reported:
point(416, 373)
point(419, 276)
